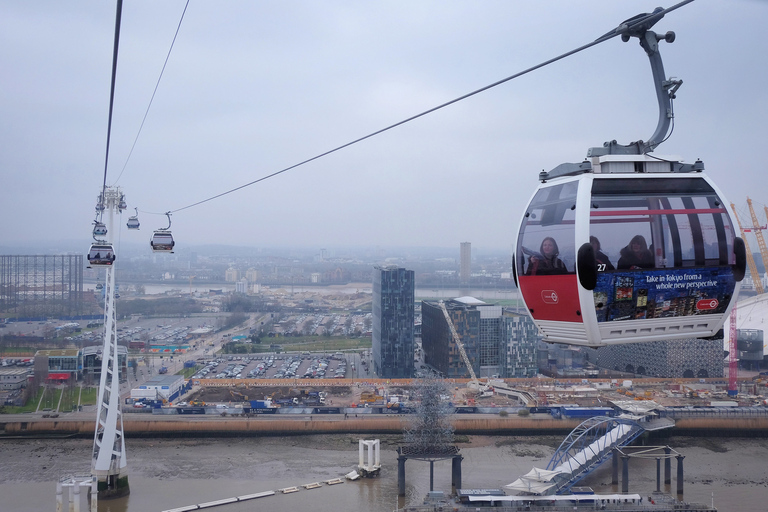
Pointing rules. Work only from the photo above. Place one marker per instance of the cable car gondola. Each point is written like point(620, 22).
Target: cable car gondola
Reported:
point(133, 220)
point(162, 240)
point(101, 254)
point(627, 247)
point(99, 229)
point(100, 203)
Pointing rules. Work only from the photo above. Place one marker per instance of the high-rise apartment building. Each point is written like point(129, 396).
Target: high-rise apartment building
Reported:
point(252, 275)
point(231, 275)
point(465, 263)
point(497, 342)
point(393, 321)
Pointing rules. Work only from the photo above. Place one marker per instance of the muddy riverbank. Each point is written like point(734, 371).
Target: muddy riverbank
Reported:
point(168, 473)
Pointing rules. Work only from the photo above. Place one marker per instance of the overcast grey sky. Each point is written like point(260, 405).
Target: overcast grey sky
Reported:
point(254, 86)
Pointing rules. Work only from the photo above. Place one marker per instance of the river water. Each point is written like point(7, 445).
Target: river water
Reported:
point(348, 289)
point(170, 473)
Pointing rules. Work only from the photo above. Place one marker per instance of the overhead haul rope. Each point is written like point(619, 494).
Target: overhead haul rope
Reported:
point(624, 28)
point(157, 85)
point(118, 15)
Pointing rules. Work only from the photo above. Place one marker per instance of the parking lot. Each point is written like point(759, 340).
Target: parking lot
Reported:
point(275, 366)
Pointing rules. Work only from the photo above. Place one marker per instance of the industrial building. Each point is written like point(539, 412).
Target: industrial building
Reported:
point(687, 358)
point(393, 322)
point(13, 378)
point(750, 345)
point(160, 387)
point(62, 365)
point(58, 365)
point(92, 363)
point(497, 342)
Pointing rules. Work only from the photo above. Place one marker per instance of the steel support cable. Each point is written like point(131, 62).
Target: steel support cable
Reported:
point(627, 27)
point(157, 85)
point(118, 16)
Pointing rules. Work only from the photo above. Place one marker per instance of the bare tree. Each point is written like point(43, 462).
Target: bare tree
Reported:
point(430, 430)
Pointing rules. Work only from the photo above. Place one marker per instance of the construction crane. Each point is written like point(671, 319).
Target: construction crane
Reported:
point(238, 395)
point(750, 259)
point(733, 363)
point(758, 229)
point(475, 382)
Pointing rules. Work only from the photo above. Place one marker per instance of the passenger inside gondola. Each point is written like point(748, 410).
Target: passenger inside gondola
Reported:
point(636, 255)
point(547, 261)
point(603, 262)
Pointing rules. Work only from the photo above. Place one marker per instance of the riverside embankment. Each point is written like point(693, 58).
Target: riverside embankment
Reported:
point(171, 426)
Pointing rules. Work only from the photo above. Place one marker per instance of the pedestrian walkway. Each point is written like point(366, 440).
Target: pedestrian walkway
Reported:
point(584, 450)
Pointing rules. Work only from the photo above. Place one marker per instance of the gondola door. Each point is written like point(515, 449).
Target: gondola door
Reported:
point(545, 259)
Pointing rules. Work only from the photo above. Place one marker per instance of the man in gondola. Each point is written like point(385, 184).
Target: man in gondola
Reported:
point(600, 257)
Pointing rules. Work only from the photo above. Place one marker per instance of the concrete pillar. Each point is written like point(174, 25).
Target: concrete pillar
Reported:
point(667, 465)
point(680, 474)
point(401, 475)
point(72, 498)
point(658, 474)
point(624, 474)
point(615, 466)
point(59, 498)
point(94, 494)
point(456, 471)
point(431, 475)
point(76, 487)
point(369, 448)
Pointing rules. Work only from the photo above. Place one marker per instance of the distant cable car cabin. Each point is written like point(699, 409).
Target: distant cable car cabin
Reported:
point(100, 203)
point(99, 229)
point(162, 240)
point(628, 247)
point(133, 220)
point(101, 254)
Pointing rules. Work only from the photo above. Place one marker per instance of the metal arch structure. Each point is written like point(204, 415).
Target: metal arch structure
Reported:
point(109, 462)
point(588, 446)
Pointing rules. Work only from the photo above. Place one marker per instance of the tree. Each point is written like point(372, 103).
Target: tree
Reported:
point(49, 332)
point(233, 320)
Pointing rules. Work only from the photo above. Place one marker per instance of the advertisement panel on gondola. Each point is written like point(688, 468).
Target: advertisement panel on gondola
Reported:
point(629, 295)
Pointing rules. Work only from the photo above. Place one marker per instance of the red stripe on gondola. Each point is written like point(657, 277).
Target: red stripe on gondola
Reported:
point(682, 211)
point(552, 297)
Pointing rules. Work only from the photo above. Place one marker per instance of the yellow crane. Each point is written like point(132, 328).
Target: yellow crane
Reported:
point(750, 258)
point(238, 395)
point(758, 230)
point(474, 383)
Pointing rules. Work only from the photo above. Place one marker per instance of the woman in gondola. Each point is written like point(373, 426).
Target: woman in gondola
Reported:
point(636, 255)
point(547, 261)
